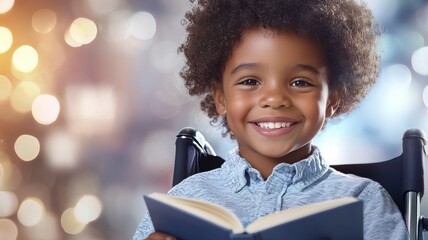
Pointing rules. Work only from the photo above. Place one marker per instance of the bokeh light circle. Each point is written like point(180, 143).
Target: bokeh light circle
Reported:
point(142, 25)
point(44, 20)
point(9, 203)
point(45, 109)
point(87, 209)
point(8, 229)
point(69, 222)
point(27, 147)
point(25, 59)
point(425, 96)
point(6, 39)
point(6, 5)
point(31, 211)
point(83, 30)
point(420, 61)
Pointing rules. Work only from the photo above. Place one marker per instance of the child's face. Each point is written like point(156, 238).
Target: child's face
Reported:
point(275, 95)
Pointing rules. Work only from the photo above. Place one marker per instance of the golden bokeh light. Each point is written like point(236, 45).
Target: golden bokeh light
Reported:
point(31, 211)
point(25, 59)
point(6, 39)
point(87, 209)
point(23, 95)
point(9, 203)
point(8, 229)
point(69, 222)
point(6, 5)
point(44, 20)
point(27, 147)
point(45, 109)
point(83, 30)
point(70, 41)
point(5, 87)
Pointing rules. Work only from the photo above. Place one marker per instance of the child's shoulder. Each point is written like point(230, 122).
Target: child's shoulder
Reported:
point(350, 183)
point(347, 178)
point(205, 180)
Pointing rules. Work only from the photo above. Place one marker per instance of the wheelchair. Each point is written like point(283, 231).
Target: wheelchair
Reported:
point(402, 177)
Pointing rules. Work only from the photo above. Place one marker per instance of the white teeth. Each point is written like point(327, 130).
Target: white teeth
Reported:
point(274, 125)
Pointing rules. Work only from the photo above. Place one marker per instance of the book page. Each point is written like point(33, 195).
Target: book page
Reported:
point(208, 211)
point(291, 214)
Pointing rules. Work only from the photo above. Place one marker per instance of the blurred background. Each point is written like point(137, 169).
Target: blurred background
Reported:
point(91, 100)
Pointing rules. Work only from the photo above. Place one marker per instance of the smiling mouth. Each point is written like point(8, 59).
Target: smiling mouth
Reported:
point(274, 125)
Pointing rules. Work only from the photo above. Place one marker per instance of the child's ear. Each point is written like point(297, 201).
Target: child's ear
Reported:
point(332, 104)
point(218, 95)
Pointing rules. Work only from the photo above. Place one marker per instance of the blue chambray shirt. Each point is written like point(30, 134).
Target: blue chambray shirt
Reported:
point(241, 189)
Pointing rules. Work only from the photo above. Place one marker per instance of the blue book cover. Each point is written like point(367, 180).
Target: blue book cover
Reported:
point(189, 219)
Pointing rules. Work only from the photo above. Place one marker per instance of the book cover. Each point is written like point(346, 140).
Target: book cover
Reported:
point(189, 219)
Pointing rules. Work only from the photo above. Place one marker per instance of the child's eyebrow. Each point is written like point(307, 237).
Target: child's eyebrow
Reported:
point(245, 66)
point(306, 67)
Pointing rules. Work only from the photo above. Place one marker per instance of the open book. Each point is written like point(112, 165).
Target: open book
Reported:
point(191, 219)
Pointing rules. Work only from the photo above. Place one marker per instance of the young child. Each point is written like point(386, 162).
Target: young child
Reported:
point(272, 72)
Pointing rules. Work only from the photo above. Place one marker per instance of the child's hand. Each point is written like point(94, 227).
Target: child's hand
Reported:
point(160, 236)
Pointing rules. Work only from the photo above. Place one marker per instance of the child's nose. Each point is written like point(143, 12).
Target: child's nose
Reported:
point(274, 97)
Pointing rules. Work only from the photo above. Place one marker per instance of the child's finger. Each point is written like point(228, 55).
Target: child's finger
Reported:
point(160, 236)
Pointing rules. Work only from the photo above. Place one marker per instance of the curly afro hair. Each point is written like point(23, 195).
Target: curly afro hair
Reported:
point(345, 29)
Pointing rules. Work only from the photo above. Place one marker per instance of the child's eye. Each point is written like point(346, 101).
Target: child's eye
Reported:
point(300, 83)
point(249, 81)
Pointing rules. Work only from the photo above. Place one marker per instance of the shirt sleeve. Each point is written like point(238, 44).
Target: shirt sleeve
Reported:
point(144, 229)
point(382, 218)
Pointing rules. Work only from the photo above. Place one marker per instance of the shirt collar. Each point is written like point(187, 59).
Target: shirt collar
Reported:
point(301, 174)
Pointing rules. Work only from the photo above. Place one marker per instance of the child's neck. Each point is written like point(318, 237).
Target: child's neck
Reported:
point(265, 164)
